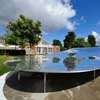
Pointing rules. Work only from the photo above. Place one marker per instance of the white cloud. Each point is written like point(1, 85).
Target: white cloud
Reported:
point(54, 14)
point(82, 19)
point(97, 36)
point(98, 23)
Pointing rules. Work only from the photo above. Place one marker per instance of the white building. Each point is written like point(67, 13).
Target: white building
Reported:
point(42, 48)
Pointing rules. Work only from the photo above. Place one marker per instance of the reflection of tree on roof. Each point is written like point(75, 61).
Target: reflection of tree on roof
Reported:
point(26, 63)
point(71, 62)
point(55, 60)
point(91, 57)
point(72, 54)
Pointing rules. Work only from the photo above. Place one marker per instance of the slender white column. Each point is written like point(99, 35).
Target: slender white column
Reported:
point(40, 50)
point(47, 50)
point(51, 50)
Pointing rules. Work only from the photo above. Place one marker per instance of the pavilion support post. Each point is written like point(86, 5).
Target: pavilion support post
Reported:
point(94, 75)
point(18, 75)
point(45, 82)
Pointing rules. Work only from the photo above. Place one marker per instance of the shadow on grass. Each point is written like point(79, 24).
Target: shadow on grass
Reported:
point(34, 82)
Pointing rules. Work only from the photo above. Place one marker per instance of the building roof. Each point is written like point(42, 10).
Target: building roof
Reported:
point(43, 45)
point(2, 46)
point(43, 42)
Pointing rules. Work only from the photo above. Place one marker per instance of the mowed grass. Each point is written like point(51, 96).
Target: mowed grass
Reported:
point(3, 67)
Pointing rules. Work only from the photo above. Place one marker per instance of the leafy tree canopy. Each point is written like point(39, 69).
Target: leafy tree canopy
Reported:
point(69, 40)
point(57, 42)
point(92, 40)
point(11, 39)
point(24, 30)
point(80, 42)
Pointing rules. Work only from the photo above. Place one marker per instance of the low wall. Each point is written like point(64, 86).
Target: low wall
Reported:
point(12, 52)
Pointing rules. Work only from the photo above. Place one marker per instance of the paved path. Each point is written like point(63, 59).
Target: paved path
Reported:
point(86, 91)
point(2, 82)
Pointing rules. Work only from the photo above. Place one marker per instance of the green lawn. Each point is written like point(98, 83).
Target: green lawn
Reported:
point(3, 67)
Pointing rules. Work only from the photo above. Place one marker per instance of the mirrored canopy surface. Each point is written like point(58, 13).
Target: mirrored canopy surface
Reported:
point(70, 61)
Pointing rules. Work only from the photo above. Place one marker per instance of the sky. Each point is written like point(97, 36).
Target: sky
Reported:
point(58, 17)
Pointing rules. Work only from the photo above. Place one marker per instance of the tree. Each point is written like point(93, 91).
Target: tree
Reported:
point(92, 40)
point(69, 40)
point(25, 30)
point(79, 42)
point(11, 39)
point(57, 43)
point(87, 44)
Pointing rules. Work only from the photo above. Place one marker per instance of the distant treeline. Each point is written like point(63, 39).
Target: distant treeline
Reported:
point(71, 41)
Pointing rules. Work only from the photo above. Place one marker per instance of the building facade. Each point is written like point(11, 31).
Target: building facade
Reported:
point(42, 48)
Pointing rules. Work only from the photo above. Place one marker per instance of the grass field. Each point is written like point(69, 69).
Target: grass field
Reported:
point(3, 67)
